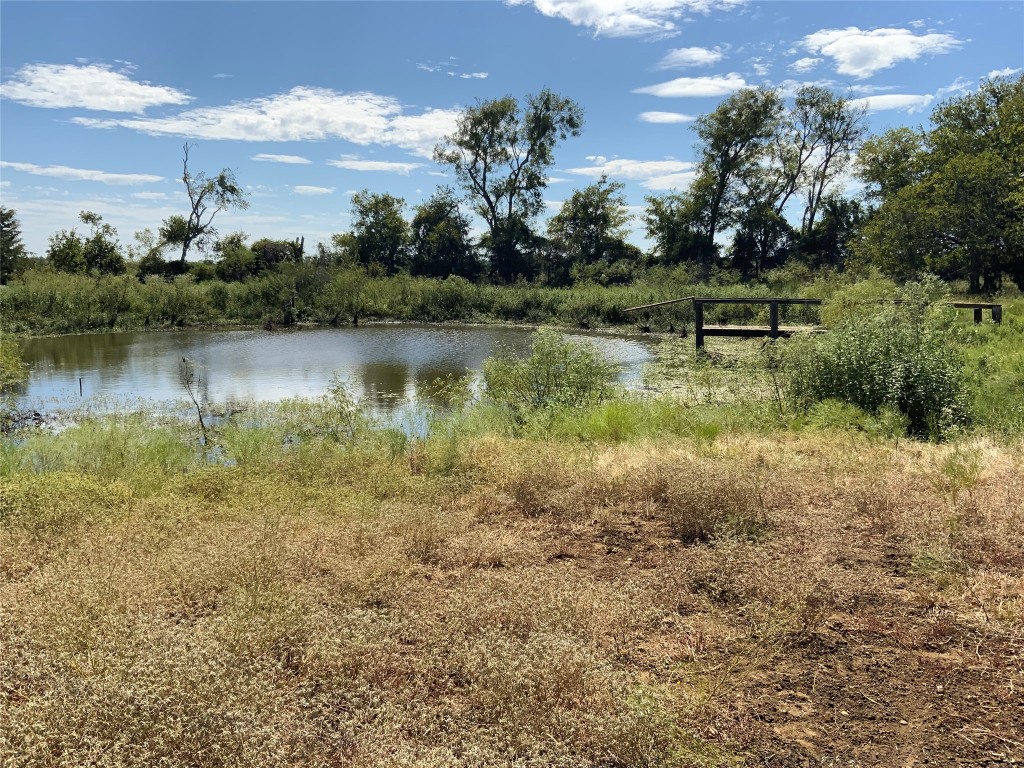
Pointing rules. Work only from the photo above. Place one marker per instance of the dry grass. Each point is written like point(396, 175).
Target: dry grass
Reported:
point(778, 601)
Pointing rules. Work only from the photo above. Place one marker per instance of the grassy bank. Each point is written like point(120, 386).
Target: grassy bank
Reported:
point(693, 593)
point(49, 302)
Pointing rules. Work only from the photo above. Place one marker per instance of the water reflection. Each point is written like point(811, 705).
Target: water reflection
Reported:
point(383, 364)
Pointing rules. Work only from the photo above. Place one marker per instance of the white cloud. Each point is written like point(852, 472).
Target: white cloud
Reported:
point(664, 117)
point(902, 101)
point(652, 174)
point(302, 189)
point(469, 75)
point(862, 53)
point(302, 114)
point(678, 58)
point(81, 174)
point(626, 18)
point(670, 181)
point(290, 159)
point(805, 64)
point(62, 86)
point(717, 85)
point(403, 169)
point(1006, 72)
point(221, 76)
point(760, 68)
point(150, 195)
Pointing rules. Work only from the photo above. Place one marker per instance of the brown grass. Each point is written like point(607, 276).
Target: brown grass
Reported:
point(786, 601)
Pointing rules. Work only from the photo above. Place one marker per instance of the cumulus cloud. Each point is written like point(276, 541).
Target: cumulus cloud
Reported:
point(714, 86)
point(81, 174)
point(679, 58)
point(1006, 72)
point(805, 64)
point(290, 159)
point(403, 169)
point(302, 114)
point(652, 174)
point(626, 18)
point(150, 195)
point(664, 117)
point(862, 53)
point(62, 86)
point(469, 75)
point(302, 189)
point(902, 101)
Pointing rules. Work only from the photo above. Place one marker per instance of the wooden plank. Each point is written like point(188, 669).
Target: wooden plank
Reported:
point(658, 304)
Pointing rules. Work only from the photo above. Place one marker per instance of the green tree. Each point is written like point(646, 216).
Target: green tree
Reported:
point(65, 252)
point(734, 139)
point(677, 224)
point(236, 261)
point(955, 206)
point(500, 152)
point(381, 231)
point(591, 224)
point(207, 197)
point(12, 250)
point(97, 254)
point(441, 243)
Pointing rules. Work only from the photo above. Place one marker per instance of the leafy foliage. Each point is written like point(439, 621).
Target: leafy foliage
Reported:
point(557, 374)
point(895, 357)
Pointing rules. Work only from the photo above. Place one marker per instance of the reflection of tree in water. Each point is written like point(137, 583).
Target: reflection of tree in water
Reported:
point(432, 381)
point(80, 352)
point(384, 384)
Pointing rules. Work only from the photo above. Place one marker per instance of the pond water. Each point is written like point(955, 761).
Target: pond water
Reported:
point(383, 365)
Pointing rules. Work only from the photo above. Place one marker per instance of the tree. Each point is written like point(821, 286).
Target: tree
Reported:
point(381, 231)
point(734, 140)
point(207, 197)
point(500, 152)
point(440, 238)
point(12, 250)
point(677, 224)
point(591, 223)
point(814, 144)
point(97, 254)
point(955, 206)
point(762, 241)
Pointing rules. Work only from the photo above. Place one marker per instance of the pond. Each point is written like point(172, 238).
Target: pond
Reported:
point(383, 365)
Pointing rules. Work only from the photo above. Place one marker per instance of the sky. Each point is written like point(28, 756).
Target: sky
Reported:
point(308, 102)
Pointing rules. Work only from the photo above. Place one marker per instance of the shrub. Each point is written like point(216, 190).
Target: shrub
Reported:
point(894, 357)
point(557, 374)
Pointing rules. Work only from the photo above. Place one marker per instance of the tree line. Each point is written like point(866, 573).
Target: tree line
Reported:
point(770, 188)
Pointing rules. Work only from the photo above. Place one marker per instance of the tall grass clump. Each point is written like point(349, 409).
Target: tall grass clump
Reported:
point(890, 357)
point(557, 375)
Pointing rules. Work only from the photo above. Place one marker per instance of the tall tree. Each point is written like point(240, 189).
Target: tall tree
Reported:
point(12, 250)
point(207, 197)
point(500, 152)
point(381, 231)
point(733, 141)
point(440, 238)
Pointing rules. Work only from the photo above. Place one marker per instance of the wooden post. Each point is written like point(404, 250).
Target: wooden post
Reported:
point(978, 315)
point(698, 319)
point(773, 319)
point(997, 313)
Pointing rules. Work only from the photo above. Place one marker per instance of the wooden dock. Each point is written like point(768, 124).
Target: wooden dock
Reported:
point(773, 329)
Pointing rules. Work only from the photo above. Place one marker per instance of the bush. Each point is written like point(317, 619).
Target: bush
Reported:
point(557, 374)
point(895, 357)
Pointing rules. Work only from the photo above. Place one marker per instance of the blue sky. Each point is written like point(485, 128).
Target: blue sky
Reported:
point(308, 102)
